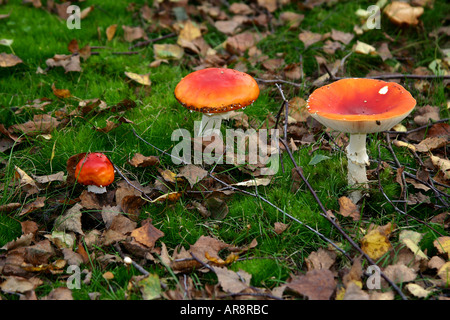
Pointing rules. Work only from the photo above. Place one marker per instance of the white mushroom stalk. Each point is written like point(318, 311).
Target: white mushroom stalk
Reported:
point(358, 159)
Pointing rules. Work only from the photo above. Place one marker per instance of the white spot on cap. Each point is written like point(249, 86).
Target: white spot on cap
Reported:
point(383, 90)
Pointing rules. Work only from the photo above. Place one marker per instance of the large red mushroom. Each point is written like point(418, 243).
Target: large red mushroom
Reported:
point(360, 106)
point(215, 92)
point(95, 171)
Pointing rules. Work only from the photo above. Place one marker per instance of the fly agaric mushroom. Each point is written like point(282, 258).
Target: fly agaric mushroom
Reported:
point(95, 171)
point(360, 106)
point(215, 92)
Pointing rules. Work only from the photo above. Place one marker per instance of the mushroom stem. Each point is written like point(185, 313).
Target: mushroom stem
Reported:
point(211, 123)
point(357, 161)
point(95, 189)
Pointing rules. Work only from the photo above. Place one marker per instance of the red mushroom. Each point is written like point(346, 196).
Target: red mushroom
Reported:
point(215, 92)
point(360, 106)
point(95, 171)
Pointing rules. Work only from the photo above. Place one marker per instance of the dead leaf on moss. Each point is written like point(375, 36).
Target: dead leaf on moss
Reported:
point(348, 209)
point(315, 284)
point(403, 14)
point(143, 79)
point(9, 60)
point(147, 235)
point(309, 38)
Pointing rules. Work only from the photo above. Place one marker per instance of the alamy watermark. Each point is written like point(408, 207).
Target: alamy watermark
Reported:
point(236, 147)
point(374, 19)
point(74, 19)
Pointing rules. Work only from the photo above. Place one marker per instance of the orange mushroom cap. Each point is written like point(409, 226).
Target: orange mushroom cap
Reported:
point(95, 169)
point(359, 105)
point(216, 90)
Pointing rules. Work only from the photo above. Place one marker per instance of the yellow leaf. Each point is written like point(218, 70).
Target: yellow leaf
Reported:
point(375, 244)
point(364, 48)
point(111, 31)
point(168, 51)
point(172, 196)
point(143, 79)
point(442, 244)
point(443, 164)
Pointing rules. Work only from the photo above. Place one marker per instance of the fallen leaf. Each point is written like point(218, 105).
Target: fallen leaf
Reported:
point(418, 291)
point(9, 60)
point(168, 51)
point(403, 14)
point(20, 285)
point(147, 235)
point(363, 48)
point(61, 93)
point(292, 19)
point(192, 173)
point(150, 287)
point(139, 160)
point(70, 220)
point(315, 284)
point(411, 239)
point(320, 259)
point(232, 282)
point(423, 115)
point(26, 182)
point(430, 144)
point(348, 209)
point(70, 63)
point(111, 31)
point(442, 244)
point(442, 164)
point(399, 273)
point(280, 227)
point(341, 36)
point(41, 124)
point(375, 244)
point(308, 38)
point(131, 34)
point(143, 79)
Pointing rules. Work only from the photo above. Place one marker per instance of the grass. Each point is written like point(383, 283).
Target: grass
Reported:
point(39, 35)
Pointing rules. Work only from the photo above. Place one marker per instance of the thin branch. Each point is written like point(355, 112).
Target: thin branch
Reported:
point(419, 128)
point(147, 42)
point(402, 76)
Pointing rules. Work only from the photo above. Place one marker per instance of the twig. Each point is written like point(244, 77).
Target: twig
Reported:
point(135, 264)
point(419, 128)
point(400, 76)
point(147, 42)
point(279, 81)
point(380, 187)
point(129, 183)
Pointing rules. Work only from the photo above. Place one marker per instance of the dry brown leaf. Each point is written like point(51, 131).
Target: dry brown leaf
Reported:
point(232, 282)
point(341, 36)
point(292, 19)
point(348, 209)
point(70, 63)
point(61, 93)
point(280, 227)
point(430, 144)
point(308, 38)
point(270, 5)
point(320, 259)
point(399, 273)
point(19, 284)
point(228, 27)
point(111, 31)
point(131, 34)
point(192, 173)
point(25, 181)
point(402, 13)
point(70, 220)
point(315, 284)
point(41, 124)
point(364, 48)
point(9, 60)
point(423, 115)
point(139, 160)
point(147, 235)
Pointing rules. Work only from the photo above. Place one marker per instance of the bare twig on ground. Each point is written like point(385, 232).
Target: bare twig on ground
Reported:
point(147, 42)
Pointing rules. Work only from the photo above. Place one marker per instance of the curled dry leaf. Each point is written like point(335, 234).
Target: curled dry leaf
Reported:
point(442, 244)
point(403, 14)
point(139, 160)
point(348, 209)
point(443, 165)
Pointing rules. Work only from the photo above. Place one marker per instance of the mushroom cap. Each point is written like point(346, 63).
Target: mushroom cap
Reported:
point(95, 169)
point(359, 105)
point(216, 90)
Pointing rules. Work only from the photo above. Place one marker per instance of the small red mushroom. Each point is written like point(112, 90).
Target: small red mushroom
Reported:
point(95, 171)
point(360, 106)
point(215, 92)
